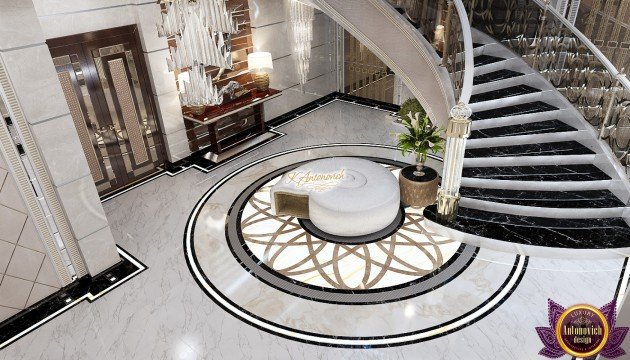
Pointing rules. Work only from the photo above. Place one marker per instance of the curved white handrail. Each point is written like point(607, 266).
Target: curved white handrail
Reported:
point(469, 61)
point(587, 42)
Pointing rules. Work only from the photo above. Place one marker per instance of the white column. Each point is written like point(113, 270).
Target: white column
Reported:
point(457, 131)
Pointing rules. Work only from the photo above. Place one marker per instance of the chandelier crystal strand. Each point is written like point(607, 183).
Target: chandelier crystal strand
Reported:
point(301, 17)
point(200, 29)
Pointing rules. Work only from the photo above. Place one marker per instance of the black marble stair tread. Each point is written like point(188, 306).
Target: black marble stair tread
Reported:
point(476, 45)
point(513, 110)
point(581, 172)
point(481, 60)
point(540, 127)
point(549, 232)
point(504, 93)
point(495, 76)
point(549, 199)
point(538, 149)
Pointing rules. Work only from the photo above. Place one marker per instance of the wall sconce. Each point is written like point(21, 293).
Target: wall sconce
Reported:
point(260, 64)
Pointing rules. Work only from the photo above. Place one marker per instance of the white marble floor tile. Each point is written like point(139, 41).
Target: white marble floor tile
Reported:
point(164, 314)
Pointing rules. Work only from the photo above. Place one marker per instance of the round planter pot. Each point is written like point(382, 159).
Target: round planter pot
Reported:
point(418, 191)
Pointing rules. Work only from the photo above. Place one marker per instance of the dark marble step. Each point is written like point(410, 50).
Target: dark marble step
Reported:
point(549, 199)
point(540, 127)
point(481, 60)
point(548, 232)
point(504, 93)
point(520, 109)
point(582, 172)
point(477, 45)
point(538, 149)
point(495, 76)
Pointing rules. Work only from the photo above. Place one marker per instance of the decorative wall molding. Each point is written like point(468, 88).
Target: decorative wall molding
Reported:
point(7, 148)
point(44, 181)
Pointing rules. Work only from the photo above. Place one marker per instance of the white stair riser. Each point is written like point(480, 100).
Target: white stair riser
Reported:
point(529, 160)
point(526, 139)
point(537, 185)
point(559, 213)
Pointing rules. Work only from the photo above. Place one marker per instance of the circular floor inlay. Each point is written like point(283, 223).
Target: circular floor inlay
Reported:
point(390, 229)
point(403, 261)
point(411, 285)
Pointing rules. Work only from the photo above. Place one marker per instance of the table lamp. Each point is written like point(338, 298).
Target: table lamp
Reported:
point(260, 64)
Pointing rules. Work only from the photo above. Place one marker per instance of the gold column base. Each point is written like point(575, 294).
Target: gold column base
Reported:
point(261, 80)
point(447, 206)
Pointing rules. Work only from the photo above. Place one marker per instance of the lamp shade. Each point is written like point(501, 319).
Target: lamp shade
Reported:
point(260, 62)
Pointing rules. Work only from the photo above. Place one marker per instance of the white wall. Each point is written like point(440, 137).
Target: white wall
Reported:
point(270, 32)
point(34, 80)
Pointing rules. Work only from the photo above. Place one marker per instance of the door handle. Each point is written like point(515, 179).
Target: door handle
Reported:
point(104, 129)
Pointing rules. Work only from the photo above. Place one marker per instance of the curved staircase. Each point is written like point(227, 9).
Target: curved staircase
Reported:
point(536, 179)
point(400, 46)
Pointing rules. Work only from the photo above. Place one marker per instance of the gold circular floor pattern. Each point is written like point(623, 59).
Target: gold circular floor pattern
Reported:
point(283, 245)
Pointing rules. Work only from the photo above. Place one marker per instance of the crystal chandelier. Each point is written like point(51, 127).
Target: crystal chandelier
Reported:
point(301, 17)
point(202, 30)
point(198, 89)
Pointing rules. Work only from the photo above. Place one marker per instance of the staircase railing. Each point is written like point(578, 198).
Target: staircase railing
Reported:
point(446, 25)
point(553, 46)
point(458, 55)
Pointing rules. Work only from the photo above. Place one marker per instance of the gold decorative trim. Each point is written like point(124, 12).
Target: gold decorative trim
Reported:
point(458, 128)
point(81, 125)
point(128, 108)
point(447, 205)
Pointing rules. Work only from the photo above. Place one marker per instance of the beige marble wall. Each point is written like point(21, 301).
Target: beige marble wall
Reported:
point(26, 271)
point(34, 80)
point(270, 32)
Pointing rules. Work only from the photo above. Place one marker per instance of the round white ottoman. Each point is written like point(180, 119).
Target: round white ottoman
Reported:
point(342, 196)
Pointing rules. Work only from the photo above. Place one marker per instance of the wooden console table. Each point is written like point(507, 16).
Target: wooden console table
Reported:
point(230, 124)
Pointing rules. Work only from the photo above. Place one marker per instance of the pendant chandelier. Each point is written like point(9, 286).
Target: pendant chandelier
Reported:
point(301, 17)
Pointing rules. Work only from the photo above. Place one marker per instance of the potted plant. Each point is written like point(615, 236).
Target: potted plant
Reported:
point(419, 183)
point(421, 138)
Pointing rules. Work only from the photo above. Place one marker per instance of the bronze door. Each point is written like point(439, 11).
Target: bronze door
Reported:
point(105, 83)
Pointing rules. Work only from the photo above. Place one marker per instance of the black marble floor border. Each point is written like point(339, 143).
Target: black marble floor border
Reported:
point(197, 161)
point(307, 337)
point(87, 288)
point(325, 100)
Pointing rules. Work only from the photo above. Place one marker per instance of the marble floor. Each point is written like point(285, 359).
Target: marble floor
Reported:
point(209, 307)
